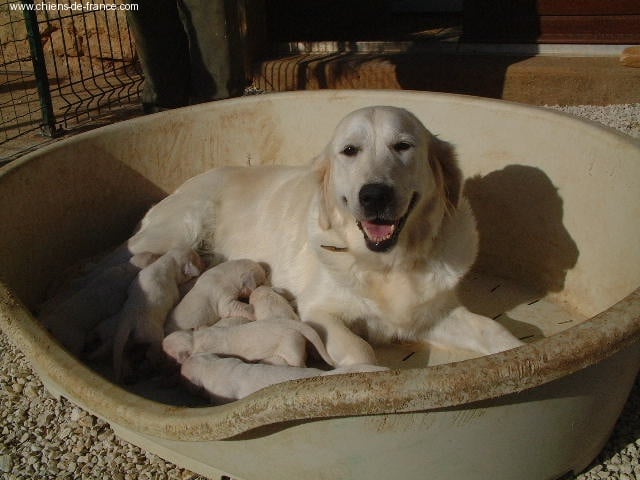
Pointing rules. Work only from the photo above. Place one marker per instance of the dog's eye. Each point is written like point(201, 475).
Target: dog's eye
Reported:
point(350, 150)
point(402, 146)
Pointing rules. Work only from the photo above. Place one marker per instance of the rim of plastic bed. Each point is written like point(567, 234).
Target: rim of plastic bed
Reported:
point(394, 391)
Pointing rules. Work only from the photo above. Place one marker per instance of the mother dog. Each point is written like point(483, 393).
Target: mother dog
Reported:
point(371, 239)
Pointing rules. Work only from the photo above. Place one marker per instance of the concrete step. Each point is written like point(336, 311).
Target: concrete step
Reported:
point(533, 79)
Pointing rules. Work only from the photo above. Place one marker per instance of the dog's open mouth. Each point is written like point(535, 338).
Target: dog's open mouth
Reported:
point(381, 235)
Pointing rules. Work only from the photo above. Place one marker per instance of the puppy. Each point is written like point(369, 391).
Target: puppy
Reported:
point(372, 238)
point(216, 294)
point(150, 298)
point(71, 317)
point(276, 338)
point(275, 343)
point(269, 306)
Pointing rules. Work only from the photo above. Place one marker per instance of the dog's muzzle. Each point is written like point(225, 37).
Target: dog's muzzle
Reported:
point(382, 226)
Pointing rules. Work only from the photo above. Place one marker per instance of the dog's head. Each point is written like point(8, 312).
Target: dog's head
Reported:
point(389, 175)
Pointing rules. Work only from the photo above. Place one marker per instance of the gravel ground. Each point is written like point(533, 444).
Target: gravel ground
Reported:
point(46, 438)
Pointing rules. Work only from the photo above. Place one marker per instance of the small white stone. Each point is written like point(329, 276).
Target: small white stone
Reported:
point(75, 414)
point(6, 463)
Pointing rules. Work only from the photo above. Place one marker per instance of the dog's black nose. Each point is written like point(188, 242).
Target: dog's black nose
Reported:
point(375, 198)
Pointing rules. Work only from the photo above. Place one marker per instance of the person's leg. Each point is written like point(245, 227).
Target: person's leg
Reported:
point(215, 49)
point(163, 48)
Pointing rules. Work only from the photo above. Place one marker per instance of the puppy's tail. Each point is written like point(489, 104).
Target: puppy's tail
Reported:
point(312, 336)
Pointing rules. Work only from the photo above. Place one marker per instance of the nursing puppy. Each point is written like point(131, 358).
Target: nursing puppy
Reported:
point(151, 296)
point(72, 315)
point(269, 306)
point(216, 295)
point(272, 343)
point(371, 239)
point(277, 337)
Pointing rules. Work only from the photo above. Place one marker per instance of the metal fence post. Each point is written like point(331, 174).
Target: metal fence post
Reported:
point(40, 69)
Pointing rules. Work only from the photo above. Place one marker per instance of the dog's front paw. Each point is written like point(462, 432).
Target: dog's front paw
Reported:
point(359, 352)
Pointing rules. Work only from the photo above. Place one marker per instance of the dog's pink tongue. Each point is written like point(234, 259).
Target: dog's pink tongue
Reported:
point(377, 232)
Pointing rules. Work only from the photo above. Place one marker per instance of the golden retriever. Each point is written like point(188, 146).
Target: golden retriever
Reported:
point(371, 238)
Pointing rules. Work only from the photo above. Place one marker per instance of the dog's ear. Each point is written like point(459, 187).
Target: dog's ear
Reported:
point(322, 166)
point(442, 158)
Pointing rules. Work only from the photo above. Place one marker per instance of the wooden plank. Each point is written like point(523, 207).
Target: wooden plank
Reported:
point(614, 29)
point(588, 7)
point(520, 22)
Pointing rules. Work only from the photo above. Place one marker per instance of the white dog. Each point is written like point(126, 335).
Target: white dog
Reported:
point(371, 239)
point(270, 305)
point(272, 343)
point(74, 313)
point(278, 337)
point(151, 296)
point(215, 295)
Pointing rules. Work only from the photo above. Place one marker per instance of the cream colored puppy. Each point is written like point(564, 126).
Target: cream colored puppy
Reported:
point(269, 306)
point(74, 314)
point(216, 295)
point(371, 239)
point(278, 337)
point(273, 343)
point(151, 296)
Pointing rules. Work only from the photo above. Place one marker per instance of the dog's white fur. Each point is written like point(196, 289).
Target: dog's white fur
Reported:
point(151, 296)
point(216, 295)
point(302, 223)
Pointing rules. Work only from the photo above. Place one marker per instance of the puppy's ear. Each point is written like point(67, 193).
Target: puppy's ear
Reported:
point(442, 158)
point(322, 166)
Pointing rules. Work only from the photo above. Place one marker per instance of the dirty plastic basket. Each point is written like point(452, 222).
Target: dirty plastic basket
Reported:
point(557, 201)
